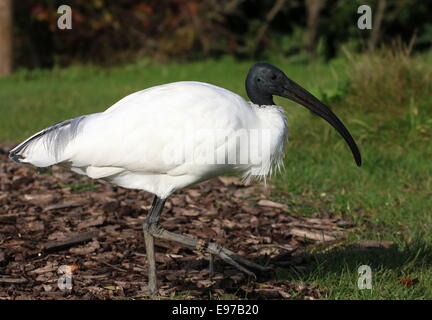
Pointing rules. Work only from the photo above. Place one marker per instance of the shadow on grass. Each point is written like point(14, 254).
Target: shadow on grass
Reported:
point(337, 269)
point(414, 254)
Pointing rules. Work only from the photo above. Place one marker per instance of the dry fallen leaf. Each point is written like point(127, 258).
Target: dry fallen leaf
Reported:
point(70, 203)
point(311, 235)
point(68, 269)
point(230, 180)
point(408, 282)
point(86, 249)
point(49, 267)
point(375, 244)
point(272, 204)
point(39, 199)
point(91, 222)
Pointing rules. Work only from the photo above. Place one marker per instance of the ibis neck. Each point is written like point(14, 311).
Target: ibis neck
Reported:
point(260, 99)
point(256, 95)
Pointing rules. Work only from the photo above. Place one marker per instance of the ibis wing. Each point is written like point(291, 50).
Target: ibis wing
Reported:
point(145, 132)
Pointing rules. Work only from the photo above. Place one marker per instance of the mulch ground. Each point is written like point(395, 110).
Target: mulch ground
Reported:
point(54, 223)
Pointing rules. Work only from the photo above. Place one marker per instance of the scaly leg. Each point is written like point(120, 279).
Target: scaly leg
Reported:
point(152, 229)
point(152, 219)
point(211, 248)
point(211, 263)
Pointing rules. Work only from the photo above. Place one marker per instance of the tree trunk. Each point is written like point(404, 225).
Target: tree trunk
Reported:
point(5, 37)
point(376, 27)
point(278, 5)
point(313, 9)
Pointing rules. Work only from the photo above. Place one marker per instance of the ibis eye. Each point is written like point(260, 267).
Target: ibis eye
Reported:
point(273, 77)
point(259, 79)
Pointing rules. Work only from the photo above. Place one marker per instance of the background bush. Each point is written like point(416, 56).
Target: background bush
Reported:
point(108, 32)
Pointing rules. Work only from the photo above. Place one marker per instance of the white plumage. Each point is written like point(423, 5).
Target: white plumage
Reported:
point(168, 137)
point(129, 144)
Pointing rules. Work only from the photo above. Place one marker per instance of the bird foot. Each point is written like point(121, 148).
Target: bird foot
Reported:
point(235, 260)
point(212, 248)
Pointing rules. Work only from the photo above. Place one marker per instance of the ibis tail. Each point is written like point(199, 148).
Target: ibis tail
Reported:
point(46, 147)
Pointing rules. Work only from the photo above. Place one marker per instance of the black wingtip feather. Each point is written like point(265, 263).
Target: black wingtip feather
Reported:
point(15, 157)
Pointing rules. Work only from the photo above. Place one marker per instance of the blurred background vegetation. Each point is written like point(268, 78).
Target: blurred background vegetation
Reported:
point(110, 32)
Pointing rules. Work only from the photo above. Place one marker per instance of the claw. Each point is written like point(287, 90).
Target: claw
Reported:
point(234, 263)
point(245, 261)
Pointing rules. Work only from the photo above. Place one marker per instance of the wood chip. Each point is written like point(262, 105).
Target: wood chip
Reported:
point(8, 218)
point(91, 222)
point(272, 204)
point(311, 235)
point(66, 204)
point(230, 181)
point(87, 249)
point(39, 199)
point(71, 241)
point(12, 280)
point(49, 267)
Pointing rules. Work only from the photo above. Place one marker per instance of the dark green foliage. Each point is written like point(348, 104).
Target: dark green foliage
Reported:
point(107, 32)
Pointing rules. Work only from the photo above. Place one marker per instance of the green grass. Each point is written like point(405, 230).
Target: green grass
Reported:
point(33, 100)
point(389, 197)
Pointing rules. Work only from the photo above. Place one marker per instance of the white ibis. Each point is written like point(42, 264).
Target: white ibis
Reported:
point(145, 141)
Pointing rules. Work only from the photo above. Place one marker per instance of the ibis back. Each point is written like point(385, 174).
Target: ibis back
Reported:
point(163, 138)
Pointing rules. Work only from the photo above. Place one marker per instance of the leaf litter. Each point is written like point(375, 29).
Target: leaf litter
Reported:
point(96, 234)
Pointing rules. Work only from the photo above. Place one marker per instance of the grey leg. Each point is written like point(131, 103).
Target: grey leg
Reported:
point(149, 223)
point(211, 263)
point(152, 279)
point(152, 229)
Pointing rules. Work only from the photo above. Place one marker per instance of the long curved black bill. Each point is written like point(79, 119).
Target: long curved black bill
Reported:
point(295, 92)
